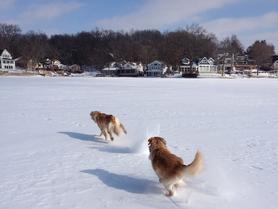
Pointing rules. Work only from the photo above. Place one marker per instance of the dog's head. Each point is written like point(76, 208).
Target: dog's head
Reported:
point(156, 142)
point(94, 115)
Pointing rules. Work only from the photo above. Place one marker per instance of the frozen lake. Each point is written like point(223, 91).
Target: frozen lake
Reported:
point(51, 156)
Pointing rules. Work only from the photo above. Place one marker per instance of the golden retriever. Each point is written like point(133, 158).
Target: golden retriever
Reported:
point(108, 124)
point(170, 168)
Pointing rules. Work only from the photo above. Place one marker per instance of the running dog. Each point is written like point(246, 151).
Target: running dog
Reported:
point(108, 124)
point(170, 168)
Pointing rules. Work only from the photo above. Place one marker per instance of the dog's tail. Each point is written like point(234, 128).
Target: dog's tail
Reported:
point(118, 128)
point(123, 128)
point(196, 166)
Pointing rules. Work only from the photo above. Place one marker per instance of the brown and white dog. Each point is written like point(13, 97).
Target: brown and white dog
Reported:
point(108, 124)
point(170, 168)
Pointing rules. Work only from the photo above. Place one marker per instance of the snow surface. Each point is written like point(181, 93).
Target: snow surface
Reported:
point(51, 156)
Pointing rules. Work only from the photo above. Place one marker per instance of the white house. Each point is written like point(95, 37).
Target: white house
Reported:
point(275, 65)
point(156, 69)
point(131, 69)
point(206, 65)
point(112, 69)
point(6, 61)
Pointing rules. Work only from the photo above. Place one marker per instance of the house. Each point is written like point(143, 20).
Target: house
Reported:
point(6, 61)
point(156, 69)
point(123, 69)
point(275, 63)
point(206, 65)
point(188, 68)
point(241, 64)
point(192, 72)
point(57, 64)
point(111, 69)
point(225, 63)
point(185, 64)
point(47, 64)
point(130, 69)
point(244, 65)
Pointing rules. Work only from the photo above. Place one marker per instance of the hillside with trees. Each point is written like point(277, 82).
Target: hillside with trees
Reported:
point(98, 47)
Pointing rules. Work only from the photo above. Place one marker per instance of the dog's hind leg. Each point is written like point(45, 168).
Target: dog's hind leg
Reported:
point(170, 190)
point(169, 186)
point(179, 183)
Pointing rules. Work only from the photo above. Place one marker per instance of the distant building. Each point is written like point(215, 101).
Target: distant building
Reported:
point(188, 68)
point(225, 63)
point(243, 64)
point(156, 69)
point(206, 65)
point(130, 69)
point(123, 69)
point(111, 69)
point(57, 64)
point(229, 63)
point(274, 58)
point(192, 72)
point(275, 62)
point(6, 61)
point(185, 64)
point(47, 64)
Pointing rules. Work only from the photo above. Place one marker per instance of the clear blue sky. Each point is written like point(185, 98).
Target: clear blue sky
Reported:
point(248, 19)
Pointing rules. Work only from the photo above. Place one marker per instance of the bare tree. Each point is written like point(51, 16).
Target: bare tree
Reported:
point(231, 45)
point(9, 36)
point(261, 52)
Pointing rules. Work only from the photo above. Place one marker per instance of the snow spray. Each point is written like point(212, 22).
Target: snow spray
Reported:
point(141, 146)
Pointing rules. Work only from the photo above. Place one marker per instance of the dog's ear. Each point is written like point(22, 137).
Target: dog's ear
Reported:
point(149, 141)
point(163, 141)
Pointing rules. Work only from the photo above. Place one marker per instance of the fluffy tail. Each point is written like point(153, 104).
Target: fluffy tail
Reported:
point(123, 128)
point(118, 128)
point(196, 166)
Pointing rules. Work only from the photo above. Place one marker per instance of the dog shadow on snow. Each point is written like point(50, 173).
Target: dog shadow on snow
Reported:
point(124, 182)
point(95, 138)
point(83, 137)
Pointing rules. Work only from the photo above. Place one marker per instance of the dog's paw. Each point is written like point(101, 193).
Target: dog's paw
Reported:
point(169, 193)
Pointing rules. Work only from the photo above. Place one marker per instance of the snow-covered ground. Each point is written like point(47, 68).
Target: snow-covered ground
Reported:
point(52, 158)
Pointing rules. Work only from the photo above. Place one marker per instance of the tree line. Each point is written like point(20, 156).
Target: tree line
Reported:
point(99, 47)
